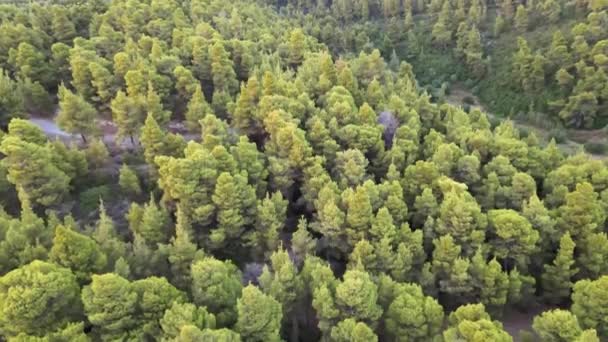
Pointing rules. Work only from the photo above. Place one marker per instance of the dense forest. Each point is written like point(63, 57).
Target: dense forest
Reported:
point(278, 170)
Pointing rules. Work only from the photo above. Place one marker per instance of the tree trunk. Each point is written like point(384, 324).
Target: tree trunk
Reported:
point(295, 329)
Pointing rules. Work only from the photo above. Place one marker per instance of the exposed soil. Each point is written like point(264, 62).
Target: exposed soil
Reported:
point(107, 131)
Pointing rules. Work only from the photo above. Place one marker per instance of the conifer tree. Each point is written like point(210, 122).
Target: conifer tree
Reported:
point(296, 47)
point(154, 224)
point(103, 82)
point(350, 330)
point(521, 18)
point(412, 316)
point(63, 29)
point(154, 106)
point(557, 277)
point(97, 154)
point(234, 200)
point(356, 297)
point(222, 69)
point(197, 109)
point(76, 115)
point(32, 171)
point(271, 216)
point(106, 236)
point(128, 181)
point(472, 323)
point(127, 115)
point(557, 325)
point(259, 316)
point(515, 239)
point(110, 303)
point(38, 298)
point(590, 306)
point(284, 284)
point(182, 314)
point(77, 252)
point(216, 285)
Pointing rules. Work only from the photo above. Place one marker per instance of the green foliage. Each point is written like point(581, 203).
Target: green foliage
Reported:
point(589, 305)
point(302, 110)
point(78, 252)
point(217, 286)
point(75, 114)
point(128, 181)
point(38, 298)
point(259, 316)
point(557, 325)
point(472, 323)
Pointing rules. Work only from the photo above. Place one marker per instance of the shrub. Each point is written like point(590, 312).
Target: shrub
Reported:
point(468, 100)
point(89, 199)
point(596, 147)
point(559, 134)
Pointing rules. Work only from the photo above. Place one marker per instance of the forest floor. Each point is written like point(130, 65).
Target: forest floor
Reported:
point(576, 138)
point(514, 321)
point(107, 131)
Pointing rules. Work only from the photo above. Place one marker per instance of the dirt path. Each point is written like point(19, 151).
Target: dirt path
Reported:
point(576, 137)
point(108, 132)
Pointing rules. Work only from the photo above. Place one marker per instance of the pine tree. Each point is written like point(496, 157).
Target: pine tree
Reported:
point(581, 214)
point(155, 296)
point(557, 278)
point(183, 314)
point(461, 217)
point(216, 285)
point(110, 303)
point(154, 224)
point(154, 106)
point(197, 109)
point(182, 251)
point(106, 236)
point(557, 325)
point(97, 154)
point(296, 47)
point(233, 198)
point(61, 26)
point(103, 82)
point(77, 252)
point(412, 316)
point(521, 18)
point(38, 298)
point(32, 171)
point(442, 31)
point(472, 323)
point(30, 63)
point(284, 284)
point(271, 216)
point(128, 181)
point(127, 115)
point(507, 9)
point(259, 316)
point(350, 330)
point(356, 297)
point(499, 25)
point(185, 83)
point(76, 115)
point(222, 69)
point(302, 242)
point(515, 239)
point(590, 305)
point(359, 215)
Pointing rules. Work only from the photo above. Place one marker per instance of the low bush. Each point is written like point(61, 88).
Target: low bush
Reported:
point(596, 147)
